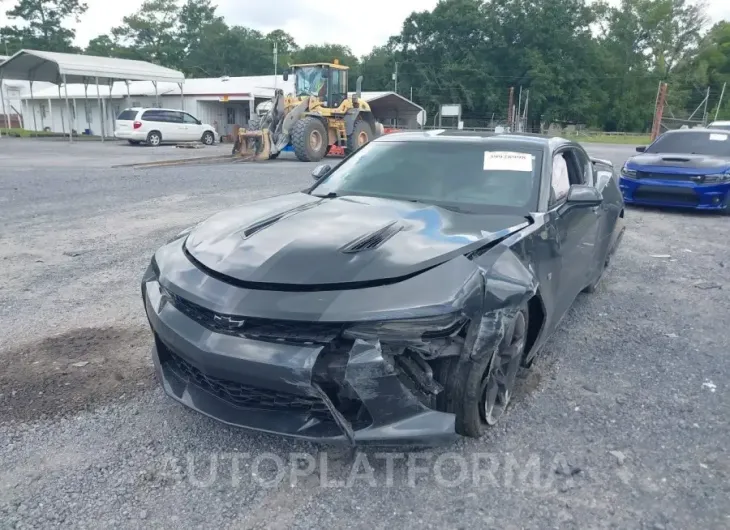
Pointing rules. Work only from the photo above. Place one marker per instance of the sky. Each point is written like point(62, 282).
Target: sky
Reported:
point(360, 24)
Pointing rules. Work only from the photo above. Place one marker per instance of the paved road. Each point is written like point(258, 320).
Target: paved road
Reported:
point(621, 424)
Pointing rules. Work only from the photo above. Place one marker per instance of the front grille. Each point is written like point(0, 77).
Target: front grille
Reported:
point(667, 176)
point(662, 194)
point(245, 396)
point(282, 331)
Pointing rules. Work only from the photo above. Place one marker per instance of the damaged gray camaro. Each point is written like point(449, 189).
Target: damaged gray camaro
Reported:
point(393, 302)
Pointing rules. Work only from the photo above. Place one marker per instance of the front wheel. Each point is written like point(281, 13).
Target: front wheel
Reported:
point(309, 139)
point(208, 138)
point(362, 133)
point(488, 383)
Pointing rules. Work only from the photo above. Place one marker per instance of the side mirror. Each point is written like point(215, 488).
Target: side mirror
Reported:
point(582, 196)
point(641, 149)
point(321, 171)
point(286, 75)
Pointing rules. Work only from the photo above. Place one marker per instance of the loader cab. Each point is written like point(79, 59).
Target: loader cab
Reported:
point(326, 81)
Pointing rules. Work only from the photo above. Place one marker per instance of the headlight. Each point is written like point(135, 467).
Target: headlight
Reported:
point(717, 177)
point(394, 331)
point(630, 173)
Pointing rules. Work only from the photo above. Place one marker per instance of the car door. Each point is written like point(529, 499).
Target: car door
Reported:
point(193, 128)
point(575, 230)
point(174, 126)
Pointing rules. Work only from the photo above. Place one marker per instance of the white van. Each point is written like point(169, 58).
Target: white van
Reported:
point(155, 126)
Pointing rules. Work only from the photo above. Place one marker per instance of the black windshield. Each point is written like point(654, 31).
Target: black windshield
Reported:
point(471, 177)
point(715, 143)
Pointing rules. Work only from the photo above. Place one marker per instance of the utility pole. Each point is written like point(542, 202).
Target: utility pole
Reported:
point(527, 102)
point(395, 78)
point(519, 111)
point(276, 63)
point(719, 103)
point(510, 105)
point(659, 112)
point(704, 114)
point(411, 93)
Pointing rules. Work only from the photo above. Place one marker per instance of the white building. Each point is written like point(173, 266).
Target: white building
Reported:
point(220, 102)
point(86, 93)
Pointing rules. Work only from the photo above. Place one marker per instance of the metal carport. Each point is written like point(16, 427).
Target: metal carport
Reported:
point(400, 111)
point(64, 68)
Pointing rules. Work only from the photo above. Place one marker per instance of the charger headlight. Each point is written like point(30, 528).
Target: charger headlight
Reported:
point(629, 173)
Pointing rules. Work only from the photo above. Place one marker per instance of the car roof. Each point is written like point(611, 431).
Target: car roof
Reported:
point(539, 141)
point(696, 130)
point(720, 122)
point(139, 109)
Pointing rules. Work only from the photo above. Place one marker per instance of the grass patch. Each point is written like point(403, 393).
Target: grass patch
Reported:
point(23, 133)
point(620, 139)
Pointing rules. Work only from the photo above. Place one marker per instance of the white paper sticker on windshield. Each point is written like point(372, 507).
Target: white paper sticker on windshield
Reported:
point(507, 161)
point(718, 137)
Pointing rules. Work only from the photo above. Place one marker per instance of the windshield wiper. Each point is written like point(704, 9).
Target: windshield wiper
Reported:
point(330, 195)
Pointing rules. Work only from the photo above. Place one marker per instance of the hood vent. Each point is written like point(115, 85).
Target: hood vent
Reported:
point(267, 222)
point(373, 240)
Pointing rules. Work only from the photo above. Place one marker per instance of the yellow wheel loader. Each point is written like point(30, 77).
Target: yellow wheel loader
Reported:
point(318, 116)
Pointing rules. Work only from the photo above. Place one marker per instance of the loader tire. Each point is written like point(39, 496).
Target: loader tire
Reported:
point(309, 139)
point(362, 133)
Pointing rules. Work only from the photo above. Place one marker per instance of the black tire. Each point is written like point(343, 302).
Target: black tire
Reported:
point(304, 139)
point(134, 142)
point(362, 133)
point(208, 138)
point(492, 376)
point(154, 138)
point(274, 156)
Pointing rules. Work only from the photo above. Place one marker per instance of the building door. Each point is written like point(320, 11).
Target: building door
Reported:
point(230, 118)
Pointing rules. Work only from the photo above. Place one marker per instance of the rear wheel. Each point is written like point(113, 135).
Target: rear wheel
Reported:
point(362, 133)
point(309, 139)
point(154, 138)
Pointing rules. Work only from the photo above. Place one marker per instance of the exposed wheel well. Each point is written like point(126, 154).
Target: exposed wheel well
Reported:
point(536, 321)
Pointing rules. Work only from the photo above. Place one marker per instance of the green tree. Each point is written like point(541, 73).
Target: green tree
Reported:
point(42, 27)
point(326, 53)
point(153, 32)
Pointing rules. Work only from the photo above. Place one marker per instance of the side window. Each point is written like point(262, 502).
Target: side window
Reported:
point(152, 115)
point(173, 117)
point(187, 118)
point(584, 167)
point(560, 179)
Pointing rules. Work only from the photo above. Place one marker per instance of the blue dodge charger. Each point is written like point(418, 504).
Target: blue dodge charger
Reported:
point(688, 168)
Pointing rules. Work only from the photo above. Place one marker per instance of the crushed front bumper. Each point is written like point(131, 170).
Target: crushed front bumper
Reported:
point(349, 394)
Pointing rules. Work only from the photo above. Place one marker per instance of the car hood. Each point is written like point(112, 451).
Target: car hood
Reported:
point(679, 163)
point(301, 240)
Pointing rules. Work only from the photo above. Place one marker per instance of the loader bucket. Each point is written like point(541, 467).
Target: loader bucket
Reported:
point(253, 145)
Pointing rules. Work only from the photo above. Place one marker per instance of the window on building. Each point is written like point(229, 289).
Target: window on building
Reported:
point(43, 110)
point(230, 116)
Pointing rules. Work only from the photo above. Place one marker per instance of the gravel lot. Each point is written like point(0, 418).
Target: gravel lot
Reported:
point(622, 423)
